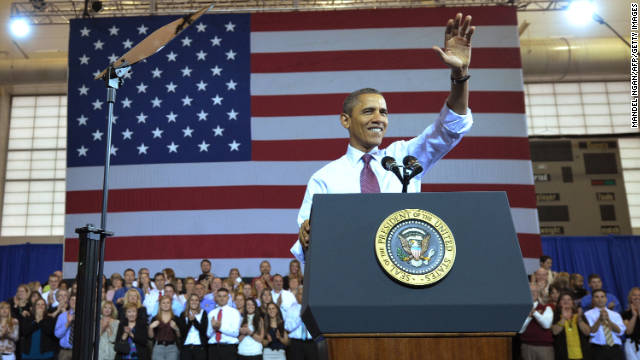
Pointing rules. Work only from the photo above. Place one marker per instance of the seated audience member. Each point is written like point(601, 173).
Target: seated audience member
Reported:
point(631, 322)
point(205, 266)
point(9, 332)
point(570, 330)
point(265, 275)
point(62, 299)
point(133, 297)
point(576, 282)
point(545, 263)
point(118, 297)
point(49, 295)
point(294, 273)
point(276, 337)
point(223, 329)
point(239, 301)
point(164, 331)
point(282, 298)
point(535, 335)
point(37, 338)
point(64, 329)
point(108, 329)
point(20, 302)
point(193, 327)
point(131, 338)
point(606, 328)
point(301, 345)
point(116, 284)
point(251, 332)
point(595, 283)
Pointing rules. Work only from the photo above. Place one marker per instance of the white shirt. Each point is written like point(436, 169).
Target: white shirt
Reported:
point(598, 337)
point(193, 336)
point(249, 346)
point(46, 298)
point(288, 299)
point(342, 176)
point(294, 325)
point(229, 325)
point(545, 319)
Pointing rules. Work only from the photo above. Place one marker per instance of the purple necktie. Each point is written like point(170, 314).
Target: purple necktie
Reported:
point(368, 180)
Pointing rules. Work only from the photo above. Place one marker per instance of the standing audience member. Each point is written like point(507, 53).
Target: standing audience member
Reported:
point(283, 298)
point(20, 302)
point(189, 288)
point(37, 338)
point(108, 329)
point(133, 297)
point(251, 332)
point(9, 332)
point(116, 284)
point(540, 280)
point(570, 330)
point(207, 304)
point(224, 328)
point(595, 283)
point(169, 276)
point(576, 282)
point(535, 335)
point(293, 285)
point(259, 288)
point(131, 338)
point(145, 283)
point(265, 299)
point(193, 325)
point(165, 332)
point(294, 273)
point(301, 345)
point(236, 279)
point(141, 272)
point(118, 297)
point(265, 275)
point(276, 337)
point(606, 329)
point(64, 329)
point(631, 322)
point(62, 300)
point(49, 295)
point(239, 301)
point(205, 266)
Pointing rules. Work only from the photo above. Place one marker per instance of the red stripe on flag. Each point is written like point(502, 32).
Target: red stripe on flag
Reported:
point(380, 18)
point(530, 245)
point(190, 247)
point(483, 58)
point(520, 196)
point(511, 148)
point(398, 102)
point(187, 198)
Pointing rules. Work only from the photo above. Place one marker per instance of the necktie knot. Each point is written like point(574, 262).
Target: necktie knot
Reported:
point(367, 158)
point(368, 181)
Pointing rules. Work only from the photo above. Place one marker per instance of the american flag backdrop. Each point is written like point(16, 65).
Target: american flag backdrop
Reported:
point(217, 134)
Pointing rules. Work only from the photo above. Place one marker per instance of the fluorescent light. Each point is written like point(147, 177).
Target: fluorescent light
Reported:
point(19, 27)
point(580, 12)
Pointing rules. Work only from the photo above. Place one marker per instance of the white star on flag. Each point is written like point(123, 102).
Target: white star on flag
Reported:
point(112, 58)
point(85, 31)
point(83, 90)
point(114, 150)
point(171, 87)
point(126, 103)
point(233, 115)
point(142, 30)
point(201, 55)
point(113, 30)
point(234, 146)
point(96, 73)
point(171, 56)
point(97, 135)
point(142, 149)
point(218, 131)
point(215, 41)
point(230, 26)
point(231, 85)
point(97, 104)
point(82, 120)
point(84, 60)
point(217, 100)
point(186, 41)
point(98, 45)
point(187, 131)
point(127, 44)
point(186, 71)
point(82, 151)
point(202, 116)
point(156, 72)
point(171, 117)
point(156, 102)
point(142, 88)
point(173, 147)
point(142, 118)
point(127, 134)
point(216, 71)
point(231, 55)
point(157, 133)
point(201, 27)
point(202, 86)
point(186, 100)
point(204, 146)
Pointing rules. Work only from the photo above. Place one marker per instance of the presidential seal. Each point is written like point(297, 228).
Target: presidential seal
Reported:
point(415, 247)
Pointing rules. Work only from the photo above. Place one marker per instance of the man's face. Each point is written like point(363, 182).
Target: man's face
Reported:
point(547, 264)
point(541, 275)
point(595, 284)
point(168, 290)
point(206, 267)
point(277, 283)
point(54, 281)
point(143, 271)
point(599, 299)
point(265, 267)
point(216, 284)
point(577, 281)
point(129, 276)
point(159, 281)
point(199, 290)
point(367, 122)
point(222, 297)
point(72, 302)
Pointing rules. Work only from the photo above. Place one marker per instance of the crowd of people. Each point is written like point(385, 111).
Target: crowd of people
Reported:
point(164, 317)
point(569, 322)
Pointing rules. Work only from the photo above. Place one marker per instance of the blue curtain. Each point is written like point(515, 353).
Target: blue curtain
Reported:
point(20, 264)
point(615, 258)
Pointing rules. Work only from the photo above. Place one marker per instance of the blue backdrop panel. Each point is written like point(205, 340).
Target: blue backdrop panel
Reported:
point(21, 264)
point(615, 258)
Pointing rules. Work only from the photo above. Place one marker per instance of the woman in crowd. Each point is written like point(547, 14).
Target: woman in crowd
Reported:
point(554, 293)
point(189, 288)
point(35, 286)
point(131, 338)
point(193, 325)
point(62, 297)
point(144, 283)
point(630, 319)
point(276, 338)
point(570, 330)
point(179, 287)
point(20, 302)
point(251, 332)
point(108, 329)
point(132, 296)
point(293, 285)
point(294, 273)
point(37, 338)
point(116, 284)
point(9, 332)
point(265, 299)
point(236, 279)
point(165, 332)
point(259, 287)
point(248, 291)
point(239, 300)
point(169, 276)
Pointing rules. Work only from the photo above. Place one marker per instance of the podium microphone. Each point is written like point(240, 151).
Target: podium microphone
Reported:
point(411, 163)
point(389, 164)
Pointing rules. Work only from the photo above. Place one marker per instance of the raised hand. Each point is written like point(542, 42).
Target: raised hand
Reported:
point(303, 234)
point(457, 44)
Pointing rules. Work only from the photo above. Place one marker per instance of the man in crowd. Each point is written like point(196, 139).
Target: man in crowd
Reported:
point(205, 266)
point(576, 281)
point(281, 297)
point(223, 329)
point(207, 304)
point(535, 335)
point(606, 329)
point(265, 275)
point(540, 280)
point(47, 287)
point(129, 277)
point(64, 330)
point(301, 345)
point(595, 283)
point(50, 295)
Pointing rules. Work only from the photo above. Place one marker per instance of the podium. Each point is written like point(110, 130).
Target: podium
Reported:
point(364, 313)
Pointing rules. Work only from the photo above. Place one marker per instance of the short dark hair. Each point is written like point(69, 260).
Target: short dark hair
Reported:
point(130, 269)
point(171, 286)
point(544, 258)
point(593, 276)
point(223, 289)
point(274, 276)
point(597, 291)
point(205, 261)
point(157, 274)
point(350, 101)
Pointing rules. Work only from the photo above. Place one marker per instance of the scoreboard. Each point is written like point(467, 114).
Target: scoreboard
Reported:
point(579, 187)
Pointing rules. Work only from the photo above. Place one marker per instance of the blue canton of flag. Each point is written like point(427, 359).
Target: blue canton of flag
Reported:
point(189, 102)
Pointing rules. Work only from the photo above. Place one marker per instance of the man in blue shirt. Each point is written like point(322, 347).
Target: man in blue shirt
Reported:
point(64, 330)
point(595, 283)
point(118, 297)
